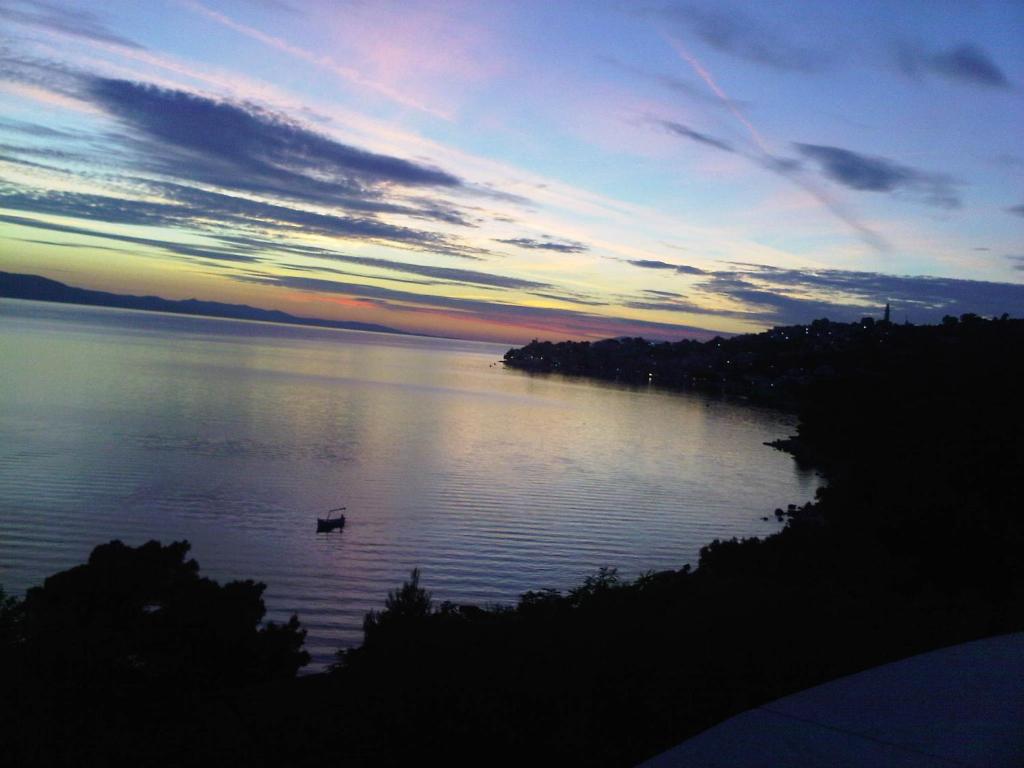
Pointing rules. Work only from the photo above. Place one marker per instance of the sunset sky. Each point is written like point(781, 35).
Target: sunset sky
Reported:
point(511, 170)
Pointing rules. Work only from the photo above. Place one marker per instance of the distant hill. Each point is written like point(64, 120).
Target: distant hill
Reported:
point(36, 288)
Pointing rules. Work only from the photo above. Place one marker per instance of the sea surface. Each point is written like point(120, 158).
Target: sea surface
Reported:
point(236, 435)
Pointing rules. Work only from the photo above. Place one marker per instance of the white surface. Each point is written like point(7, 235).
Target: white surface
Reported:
point(958, 706)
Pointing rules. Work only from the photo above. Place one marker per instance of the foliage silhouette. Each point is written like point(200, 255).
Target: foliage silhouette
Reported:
point(915, 543)
point(9, 615)
point(143, 615)
point(125, 652)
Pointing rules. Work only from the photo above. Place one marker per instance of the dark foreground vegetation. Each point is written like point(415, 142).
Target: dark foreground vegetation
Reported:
point(916, 543)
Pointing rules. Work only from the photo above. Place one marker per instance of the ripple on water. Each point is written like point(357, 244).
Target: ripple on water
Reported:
point(123, 425)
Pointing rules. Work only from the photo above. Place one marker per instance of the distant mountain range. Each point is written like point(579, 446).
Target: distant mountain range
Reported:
point(36, 288)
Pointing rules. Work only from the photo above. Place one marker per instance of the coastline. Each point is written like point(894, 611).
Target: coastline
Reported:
point(913, 545)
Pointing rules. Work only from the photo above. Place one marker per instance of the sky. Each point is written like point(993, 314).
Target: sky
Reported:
point(513, 170)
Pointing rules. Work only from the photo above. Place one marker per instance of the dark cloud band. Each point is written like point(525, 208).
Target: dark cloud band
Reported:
point(966, 63)
point(544, 245)
point(877, 174)
point(681, 130)
point(682, 269)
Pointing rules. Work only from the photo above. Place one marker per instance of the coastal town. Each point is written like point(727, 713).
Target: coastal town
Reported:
point(775, 367)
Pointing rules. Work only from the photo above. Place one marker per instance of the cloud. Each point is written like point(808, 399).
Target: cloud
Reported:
point(966, 63)
point(782, 165)
point(787, 296)
point(877, 174)
point(47, 152)
point(792, 170)
point(222, 138)
point(189, 208)
point(545, 245)
point(681, 130)
point(119, 211)
point(446, 274)
point(768, 295)
point(689, 88)
point(571, 298)
point(26, 163)
point(675, 305)
point(192, 149)
point(1004, 159)
point(180, 249)
point(255, 212)
point(733, 32)
point(546, 319)
point(78, 205)
point(58, 244)
point(1016, 210)
point(274, 5)
point(682, 269)
point(206, 159)
point(361, 275)
point(63, 20)
point(59, 82)
point(1018, 259)
point(231, 145)
point(36, 130)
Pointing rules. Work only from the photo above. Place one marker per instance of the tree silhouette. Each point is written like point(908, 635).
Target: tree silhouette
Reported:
point(143, 615)
point(403, 607)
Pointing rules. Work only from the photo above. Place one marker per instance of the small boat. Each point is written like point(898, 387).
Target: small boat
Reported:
point(324, 524)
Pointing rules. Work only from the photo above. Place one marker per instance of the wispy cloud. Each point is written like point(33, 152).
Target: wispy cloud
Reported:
point(63, 19)
point(201, 210)
point(682, 269)
point(568, 321)
point(240, 248)
point(760, 155)
point(195, 139)
point(688, 88)
point(180, 249)
point(734, 32)
point(705, 74)
point(251, 168)
point(686, 132)
point(966, 63)
point(185, 143)
point(680, 305)
point(791, 170)
point(36, 130)
point(322, 62)
point(274, 5)
point(571, 298)
point(764, 294)
point(444, 274)
point(878, 174)
point(544, 244)
point(246, 140)
point(796, 296)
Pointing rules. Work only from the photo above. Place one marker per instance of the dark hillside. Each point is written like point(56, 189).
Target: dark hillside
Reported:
point(914, 544)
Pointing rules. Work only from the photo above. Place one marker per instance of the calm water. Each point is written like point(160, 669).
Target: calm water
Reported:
point(118, 424)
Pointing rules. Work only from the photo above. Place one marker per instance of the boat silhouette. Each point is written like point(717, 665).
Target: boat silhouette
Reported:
point(324, 524)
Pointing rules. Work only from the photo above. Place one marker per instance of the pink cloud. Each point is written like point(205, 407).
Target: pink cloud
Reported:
point(321, 61)
point(437, 51)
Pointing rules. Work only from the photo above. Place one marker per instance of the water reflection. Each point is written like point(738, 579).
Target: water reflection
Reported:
point(235, 435)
